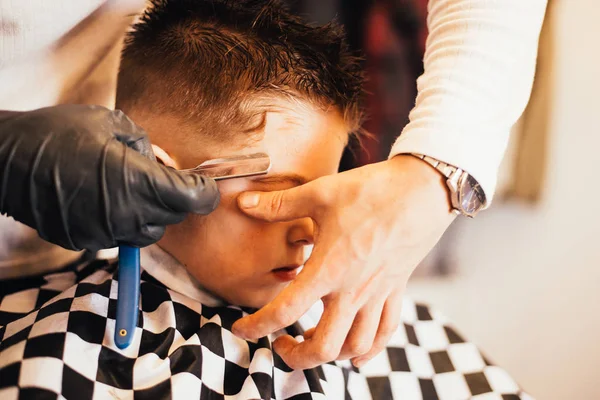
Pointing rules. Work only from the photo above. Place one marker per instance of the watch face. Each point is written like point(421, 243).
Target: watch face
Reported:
point(472, 197)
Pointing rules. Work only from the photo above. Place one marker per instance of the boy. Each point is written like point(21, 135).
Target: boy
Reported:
point(208, 79)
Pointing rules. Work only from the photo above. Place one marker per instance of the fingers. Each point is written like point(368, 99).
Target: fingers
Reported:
point(364, 328)
point(173, 191)
point(179, 191)
point(325, 343)
point(309, 333)
point(148, 235)
point(185, 192)
point(282, 205)
point(133, 136)
point(390, 319)
point(285, 309)
point(151, 231)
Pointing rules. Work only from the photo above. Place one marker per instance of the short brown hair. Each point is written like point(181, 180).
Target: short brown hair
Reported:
point(205, 61)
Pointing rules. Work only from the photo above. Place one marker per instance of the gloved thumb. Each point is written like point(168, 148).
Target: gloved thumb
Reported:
point(188, 193)
point(171, 190)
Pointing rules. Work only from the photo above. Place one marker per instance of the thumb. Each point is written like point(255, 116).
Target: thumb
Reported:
point(173, 190)
point(281, 205)
point(184, 192)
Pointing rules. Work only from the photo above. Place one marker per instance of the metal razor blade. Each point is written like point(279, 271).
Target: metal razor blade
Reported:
point(234, 167)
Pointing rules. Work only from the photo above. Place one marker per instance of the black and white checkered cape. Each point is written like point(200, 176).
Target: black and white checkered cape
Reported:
point(57, 342)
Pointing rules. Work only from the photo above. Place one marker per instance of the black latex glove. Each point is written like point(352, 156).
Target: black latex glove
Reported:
point(85, 177)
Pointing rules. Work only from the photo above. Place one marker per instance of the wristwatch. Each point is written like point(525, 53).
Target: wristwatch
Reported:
point(466, 194)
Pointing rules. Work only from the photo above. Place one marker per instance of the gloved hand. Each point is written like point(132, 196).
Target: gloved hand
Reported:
point(85, 177)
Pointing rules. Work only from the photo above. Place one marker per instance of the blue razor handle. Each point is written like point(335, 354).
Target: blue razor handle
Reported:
point(128, 295)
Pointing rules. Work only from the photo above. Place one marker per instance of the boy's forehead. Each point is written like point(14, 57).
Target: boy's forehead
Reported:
point(307, 142)
point(292, 134)
point(300, 149)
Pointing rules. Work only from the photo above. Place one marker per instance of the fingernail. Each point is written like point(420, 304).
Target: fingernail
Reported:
point(238, 333)
point(249, 200)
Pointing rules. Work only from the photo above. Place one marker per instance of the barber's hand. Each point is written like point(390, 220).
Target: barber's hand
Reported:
point(373, 226)
point(85, 177)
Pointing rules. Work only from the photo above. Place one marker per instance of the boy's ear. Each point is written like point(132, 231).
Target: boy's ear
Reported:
point(164, 158)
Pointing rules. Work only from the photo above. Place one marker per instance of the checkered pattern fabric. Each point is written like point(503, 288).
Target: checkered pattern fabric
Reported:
point(57, 343)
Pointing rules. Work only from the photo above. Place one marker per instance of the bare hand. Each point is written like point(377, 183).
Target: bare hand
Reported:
point(373, 226)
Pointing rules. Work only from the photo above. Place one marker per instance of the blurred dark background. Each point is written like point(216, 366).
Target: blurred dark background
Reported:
point(390, 35)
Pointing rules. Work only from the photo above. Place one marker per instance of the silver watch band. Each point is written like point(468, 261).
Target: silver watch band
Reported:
point(468, 202)
point(450, 172)
point(446, 169)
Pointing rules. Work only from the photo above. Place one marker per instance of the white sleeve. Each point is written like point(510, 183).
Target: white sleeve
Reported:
point(479, 68)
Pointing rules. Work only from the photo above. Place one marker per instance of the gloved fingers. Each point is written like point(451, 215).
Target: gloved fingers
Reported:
point(188, 193)
point(175, 191)
point(133, 136)
point(85, 240)
point(148, 234)
point(153, 230)
point(179, 192)
point(163, 217)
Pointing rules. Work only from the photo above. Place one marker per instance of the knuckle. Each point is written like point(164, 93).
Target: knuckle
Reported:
point(324, 199)
point(295, 364)
point(119, 114)
point(282, 316)
point(151, 233)
point(326, 352)
point(376, 350)
point(385, 334)
point(276, 203)
point(359, 347)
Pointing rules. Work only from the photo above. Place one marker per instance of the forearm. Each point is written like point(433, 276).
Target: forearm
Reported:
point(479, 68)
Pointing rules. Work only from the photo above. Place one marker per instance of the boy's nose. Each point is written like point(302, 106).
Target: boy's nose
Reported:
point(301, 232)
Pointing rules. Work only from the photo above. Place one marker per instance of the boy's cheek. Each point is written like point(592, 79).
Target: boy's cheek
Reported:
point(233, 187)
point(226, 216)
point(228, 206)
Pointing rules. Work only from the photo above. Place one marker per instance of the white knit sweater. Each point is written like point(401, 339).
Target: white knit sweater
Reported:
point(479, 68)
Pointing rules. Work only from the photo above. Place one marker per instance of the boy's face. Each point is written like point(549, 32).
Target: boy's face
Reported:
point(243, 260)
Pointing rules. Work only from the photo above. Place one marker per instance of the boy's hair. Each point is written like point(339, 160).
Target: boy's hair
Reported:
point(211, 62)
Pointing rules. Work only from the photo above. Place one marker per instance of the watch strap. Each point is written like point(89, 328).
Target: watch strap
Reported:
point(454, 178)
point(446, 169)
point(449, 172)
